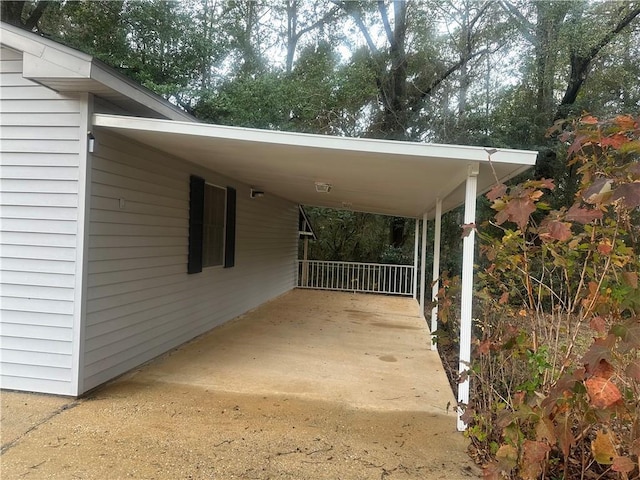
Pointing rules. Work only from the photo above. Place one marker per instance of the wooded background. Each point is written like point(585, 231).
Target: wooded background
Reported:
point(491, 73)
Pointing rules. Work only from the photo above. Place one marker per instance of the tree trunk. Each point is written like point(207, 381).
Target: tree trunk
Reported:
point(292, 38)
point(547, 33)
point(393, 84)
point(581, 62)
point(15, 13)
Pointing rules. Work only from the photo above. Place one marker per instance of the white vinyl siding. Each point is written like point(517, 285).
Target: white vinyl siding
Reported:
point(140, 300)
point(40, 148)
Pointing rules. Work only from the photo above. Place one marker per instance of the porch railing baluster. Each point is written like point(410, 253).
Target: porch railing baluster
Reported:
point(356, 277)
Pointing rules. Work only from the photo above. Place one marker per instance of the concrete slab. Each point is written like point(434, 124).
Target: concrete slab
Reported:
point(318, 385)
point(365, 351)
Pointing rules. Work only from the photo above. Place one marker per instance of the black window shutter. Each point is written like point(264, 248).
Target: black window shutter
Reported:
point(230, 231)
point(196, 220)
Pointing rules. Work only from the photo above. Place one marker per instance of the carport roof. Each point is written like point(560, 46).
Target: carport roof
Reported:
point(377, 176)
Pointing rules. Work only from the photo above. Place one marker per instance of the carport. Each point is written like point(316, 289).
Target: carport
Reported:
point(404, 179)
point(313, 384)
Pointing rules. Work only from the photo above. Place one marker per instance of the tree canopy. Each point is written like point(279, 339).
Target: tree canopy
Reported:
point(493, 73)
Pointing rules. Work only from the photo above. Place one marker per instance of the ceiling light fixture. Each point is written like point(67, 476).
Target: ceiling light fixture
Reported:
point(256, 193)
point(322, 187)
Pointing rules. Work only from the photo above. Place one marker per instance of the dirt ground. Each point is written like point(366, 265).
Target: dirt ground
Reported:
point(255, 417)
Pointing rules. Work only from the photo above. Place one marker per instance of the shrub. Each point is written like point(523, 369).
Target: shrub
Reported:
point(556, 370)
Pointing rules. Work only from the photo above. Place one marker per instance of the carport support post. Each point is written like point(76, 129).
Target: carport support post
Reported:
point(466, 296)
point(435, 276)
point(423, 261)
point(416, 246)
point(305, 263)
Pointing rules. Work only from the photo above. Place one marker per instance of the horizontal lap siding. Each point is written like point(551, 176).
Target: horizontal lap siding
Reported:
point(39, 183)
point(141, 301)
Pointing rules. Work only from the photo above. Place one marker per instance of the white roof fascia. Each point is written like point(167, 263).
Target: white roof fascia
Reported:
point(106, 76)
point(54, 64)
point(45, 49)
point(367, 145)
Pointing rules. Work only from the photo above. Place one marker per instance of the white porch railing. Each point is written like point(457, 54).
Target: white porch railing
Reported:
point(356, 277)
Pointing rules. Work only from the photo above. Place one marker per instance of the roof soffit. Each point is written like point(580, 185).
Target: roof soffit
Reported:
point(390, 178)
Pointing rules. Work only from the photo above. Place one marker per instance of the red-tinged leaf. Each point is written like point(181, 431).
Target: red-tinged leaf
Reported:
point(535, 451)
point(615, 141)
point(555, 230)
point(467, 228)
point(598, 324)
point(604, 247)
point(468, 415)
point(492, 472)
point(633, 370)
point(625, 122)
point(504, 419)
point(623, 465)
point(556, 128)
point(576, 145)
point(533, 455)
point(589, 120)
point(603, 370)
point(502, 216)
point(504, 298)
point(518, 211)
point(629, 193)
point(599, 192)
point(496, 192)
point(519, 398)
point(583, 215)
point(599, 350)
point(484, 347)
point(544, 431)
point(536, 195)
point(547, 183)
point(593, 294)
point(603, 449)
point(603, 393)
point(631, 279)
point(564, 433)
point(629, 334)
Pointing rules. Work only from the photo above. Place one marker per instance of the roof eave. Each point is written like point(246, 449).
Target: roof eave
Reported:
point(65, 69)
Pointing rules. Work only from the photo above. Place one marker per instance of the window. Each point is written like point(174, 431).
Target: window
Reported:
point(215, 200)
point(212, 225)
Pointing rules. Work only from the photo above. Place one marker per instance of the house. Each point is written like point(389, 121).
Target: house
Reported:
point(128, 228)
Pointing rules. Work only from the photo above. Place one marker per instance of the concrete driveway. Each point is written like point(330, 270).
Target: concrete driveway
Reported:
point(313, 385)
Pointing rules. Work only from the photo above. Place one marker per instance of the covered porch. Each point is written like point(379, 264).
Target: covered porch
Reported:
point(402, 179)
point(313, 384)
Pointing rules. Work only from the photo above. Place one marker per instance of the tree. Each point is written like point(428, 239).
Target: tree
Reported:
point(404, 84)
point(295, 29)
point(566, 37)
point(23, 14)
